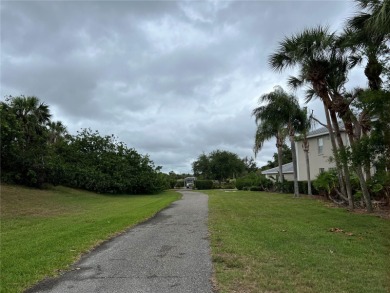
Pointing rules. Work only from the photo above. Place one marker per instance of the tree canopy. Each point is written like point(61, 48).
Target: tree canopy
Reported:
point(36, 150)
point(218, 165)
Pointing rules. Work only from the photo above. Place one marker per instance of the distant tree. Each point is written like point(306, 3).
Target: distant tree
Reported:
point(218, 165)
point(24, 140)
point(57, 131)
point(286, 158)
point(250, 164)
point(224, 164)
point(202, 167)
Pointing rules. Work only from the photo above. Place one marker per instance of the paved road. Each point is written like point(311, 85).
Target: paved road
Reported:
point(169, 253)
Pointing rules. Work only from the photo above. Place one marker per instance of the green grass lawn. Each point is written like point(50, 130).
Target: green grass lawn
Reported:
point(264, 242)
point(44, 231)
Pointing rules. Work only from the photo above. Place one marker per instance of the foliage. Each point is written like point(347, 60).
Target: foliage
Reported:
point(253, 179)
point(286, 158)
point(218, 165)
point(203, 184)
point(250, 164)
point(24, 148)
point(380, 186)
point(36, 150)
point(285, 186)
point(326, 182)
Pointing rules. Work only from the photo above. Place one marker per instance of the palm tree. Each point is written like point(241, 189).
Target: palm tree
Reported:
point(265, 131)
point(313, 52)
point(280, 116)
point(363, 42)
point(57, 131)
point(32, 114)
point(307, 125)
point(379, 10)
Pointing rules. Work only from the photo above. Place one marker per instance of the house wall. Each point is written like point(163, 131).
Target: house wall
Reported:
point(317, 160)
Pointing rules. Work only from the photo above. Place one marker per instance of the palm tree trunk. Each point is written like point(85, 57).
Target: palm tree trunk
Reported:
point(347, 176)
point(357, 168)
point(334, 150)
point(306, 151)
point(279, 145)
point(294, 161)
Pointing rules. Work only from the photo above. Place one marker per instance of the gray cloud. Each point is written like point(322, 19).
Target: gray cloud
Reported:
point(172, 79)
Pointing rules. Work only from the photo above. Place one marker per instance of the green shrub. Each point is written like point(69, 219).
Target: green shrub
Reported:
point(203, 184)
point(326, 182)
point(285, 187)
point(228, 185)
point(179, 183)
point(253, 179)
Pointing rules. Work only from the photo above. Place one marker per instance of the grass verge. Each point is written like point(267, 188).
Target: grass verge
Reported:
point(265, 242)
point(44, 231)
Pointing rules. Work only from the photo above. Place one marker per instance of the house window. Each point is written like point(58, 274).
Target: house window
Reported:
point(322, 170)
point(320, 142)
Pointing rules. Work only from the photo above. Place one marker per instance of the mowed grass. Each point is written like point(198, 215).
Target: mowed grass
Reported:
point(44, 231)
point(264, 242)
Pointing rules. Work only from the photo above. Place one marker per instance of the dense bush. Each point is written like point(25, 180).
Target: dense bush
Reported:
point(253, 179)
point(36, 151)
point(326, 182)
point(179, 183)
point(228, 185)
point(203, 184)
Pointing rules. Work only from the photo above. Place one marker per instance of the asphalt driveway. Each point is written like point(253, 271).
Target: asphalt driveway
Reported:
point(169, 253)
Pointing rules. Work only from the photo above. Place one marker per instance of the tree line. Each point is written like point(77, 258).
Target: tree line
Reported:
point(35, 150)
point(324, 60)
point(222, 165)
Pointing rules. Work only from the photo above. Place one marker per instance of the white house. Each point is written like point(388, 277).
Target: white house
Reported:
point(320, 154)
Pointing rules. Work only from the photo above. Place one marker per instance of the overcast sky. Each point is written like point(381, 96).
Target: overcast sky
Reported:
point(172, 79)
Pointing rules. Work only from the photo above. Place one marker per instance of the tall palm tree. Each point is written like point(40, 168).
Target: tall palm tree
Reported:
point(267, 130)
point(313, 52)
point(280, 116)
point(364, 43)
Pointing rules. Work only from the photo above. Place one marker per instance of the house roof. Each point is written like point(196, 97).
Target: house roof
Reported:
point(286, 169)
point(323, 131)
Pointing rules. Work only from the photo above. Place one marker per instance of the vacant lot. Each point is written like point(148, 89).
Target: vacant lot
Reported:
point(45, 231)
point(273, 243)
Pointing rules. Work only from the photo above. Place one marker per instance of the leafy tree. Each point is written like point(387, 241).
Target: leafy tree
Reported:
point(202, 167)
point(218, 165)
point(286, 158)
point(250, 164)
